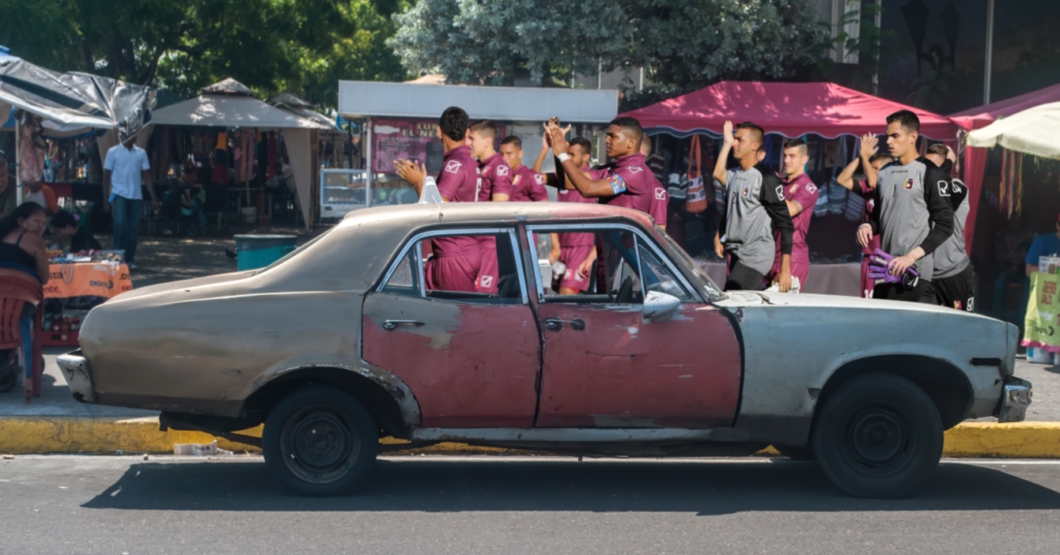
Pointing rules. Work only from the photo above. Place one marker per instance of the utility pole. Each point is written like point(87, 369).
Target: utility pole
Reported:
point(989, 50)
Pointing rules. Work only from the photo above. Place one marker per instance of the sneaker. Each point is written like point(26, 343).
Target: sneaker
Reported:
point(133, 267)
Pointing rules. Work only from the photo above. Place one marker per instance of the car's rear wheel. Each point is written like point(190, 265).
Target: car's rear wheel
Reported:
point(878, 435)
point(320, 441)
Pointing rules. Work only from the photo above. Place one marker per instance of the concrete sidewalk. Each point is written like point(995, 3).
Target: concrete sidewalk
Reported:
point(56, 423)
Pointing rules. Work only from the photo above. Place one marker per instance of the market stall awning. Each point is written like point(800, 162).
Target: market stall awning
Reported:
point(981, 116)
point(424, 101)
point(791, 109)
point(225, 110)
point(302, 109)
point(1035, 131)
point(74, 101)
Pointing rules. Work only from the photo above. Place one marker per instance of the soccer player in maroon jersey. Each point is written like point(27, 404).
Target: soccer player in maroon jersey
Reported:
point(494, 185)
point(626, 181)
point(800, 194)
point(456, 260)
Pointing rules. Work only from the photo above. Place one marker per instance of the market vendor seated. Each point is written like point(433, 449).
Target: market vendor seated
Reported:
point(1047, 244)
point(67, 231)
point(192, 199)
point(22, 240)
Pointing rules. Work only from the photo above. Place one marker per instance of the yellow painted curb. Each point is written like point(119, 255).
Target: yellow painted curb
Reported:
point(106, 436)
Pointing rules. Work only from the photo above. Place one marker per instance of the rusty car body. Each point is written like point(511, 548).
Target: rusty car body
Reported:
point(340, 343)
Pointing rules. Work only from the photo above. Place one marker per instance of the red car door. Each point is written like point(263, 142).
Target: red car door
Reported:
point(470, 359)
point(606, 365)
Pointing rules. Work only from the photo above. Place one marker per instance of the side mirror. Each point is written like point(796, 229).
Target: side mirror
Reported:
point(659, 306)
point(430, 194)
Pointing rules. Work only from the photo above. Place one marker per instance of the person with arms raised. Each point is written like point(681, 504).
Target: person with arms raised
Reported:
point(754, 209)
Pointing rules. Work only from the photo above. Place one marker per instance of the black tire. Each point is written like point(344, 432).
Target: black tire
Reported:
point(320, 441)
point(878, 435)
point(795, 453)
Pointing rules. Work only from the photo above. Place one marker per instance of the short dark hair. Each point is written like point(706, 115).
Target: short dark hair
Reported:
point(453, 123)
point(796, 143)
point(582, 142)
point(907, 119)
point(759, 133)
point(513, 140)
point(485, 128)
point(939, 149)
point(62, 219)
point(881, 156)
point(632, 125)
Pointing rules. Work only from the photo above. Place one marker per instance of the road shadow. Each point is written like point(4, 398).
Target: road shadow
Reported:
point(437, 485)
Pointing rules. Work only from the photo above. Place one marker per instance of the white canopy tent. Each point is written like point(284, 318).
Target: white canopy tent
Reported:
point(234, 108)
point(1034, 131)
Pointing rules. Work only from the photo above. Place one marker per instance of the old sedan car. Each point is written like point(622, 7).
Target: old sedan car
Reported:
point(343, 341)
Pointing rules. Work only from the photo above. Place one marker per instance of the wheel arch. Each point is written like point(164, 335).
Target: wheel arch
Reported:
point(946, 385)
point(384, 396)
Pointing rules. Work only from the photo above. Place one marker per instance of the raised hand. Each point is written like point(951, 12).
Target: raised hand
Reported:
point(726, 133)
point(411, 171)
point(559, 142)
point(868, 145)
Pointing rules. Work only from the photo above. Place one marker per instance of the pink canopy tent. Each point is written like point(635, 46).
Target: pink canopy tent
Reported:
point(975, 158)
point(791, 109)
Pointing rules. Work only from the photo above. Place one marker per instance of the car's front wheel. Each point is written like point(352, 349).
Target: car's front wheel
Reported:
point(878, 435)
point(320, 441)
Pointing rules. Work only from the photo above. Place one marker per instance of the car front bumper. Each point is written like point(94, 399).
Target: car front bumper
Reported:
point(78, 376)
point(1015, 398)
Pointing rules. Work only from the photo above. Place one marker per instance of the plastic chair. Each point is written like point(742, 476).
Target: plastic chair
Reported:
point(19, 287)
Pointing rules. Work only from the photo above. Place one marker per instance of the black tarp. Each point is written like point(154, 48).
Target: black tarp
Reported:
point(75, 100)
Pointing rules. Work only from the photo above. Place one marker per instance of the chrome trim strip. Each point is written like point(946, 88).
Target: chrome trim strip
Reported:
point(561, 435)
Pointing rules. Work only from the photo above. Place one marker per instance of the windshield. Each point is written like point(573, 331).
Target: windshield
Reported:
point(294, 253)
point(681, 257)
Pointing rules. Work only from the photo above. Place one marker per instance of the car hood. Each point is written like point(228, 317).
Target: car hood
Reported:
point(740, 299)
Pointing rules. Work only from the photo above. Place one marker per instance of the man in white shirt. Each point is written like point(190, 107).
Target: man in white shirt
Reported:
point(124, 170)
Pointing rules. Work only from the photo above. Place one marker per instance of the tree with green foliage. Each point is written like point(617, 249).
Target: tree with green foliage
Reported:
point(683, 44)
point(272, 46)
point(489, 42)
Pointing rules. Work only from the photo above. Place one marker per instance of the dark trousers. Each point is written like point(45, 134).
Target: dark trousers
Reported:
point(742, 277)
point(126, 225)
point(957, 291)
point(924, 292)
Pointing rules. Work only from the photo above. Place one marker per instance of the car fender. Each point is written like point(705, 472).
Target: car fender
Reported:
point(791, 353)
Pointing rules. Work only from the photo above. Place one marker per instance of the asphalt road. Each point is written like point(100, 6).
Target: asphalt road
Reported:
point(116, 505)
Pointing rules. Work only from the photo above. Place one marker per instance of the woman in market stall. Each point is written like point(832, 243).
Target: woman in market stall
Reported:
point(22, 240)
point(67, 231)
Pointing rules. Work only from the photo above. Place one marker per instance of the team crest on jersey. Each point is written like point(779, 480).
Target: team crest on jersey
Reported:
point(745, 192)
point(660, 194)
point(485, 281)
point(909, 183)
point(811, 188)
point(452, 166)
point(618, 185)
point(539, 178)
point(502, 170)
point(944, 188)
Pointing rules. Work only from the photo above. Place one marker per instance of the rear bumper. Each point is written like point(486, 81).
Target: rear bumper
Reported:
point(78, 376)
point(1015, 398)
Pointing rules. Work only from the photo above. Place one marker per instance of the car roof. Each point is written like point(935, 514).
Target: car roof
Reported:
point(494, 212)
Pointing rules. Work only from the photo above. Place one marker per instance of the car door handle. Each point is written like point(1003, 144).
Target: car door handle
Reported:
point(391, 325)
point(555, 324)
